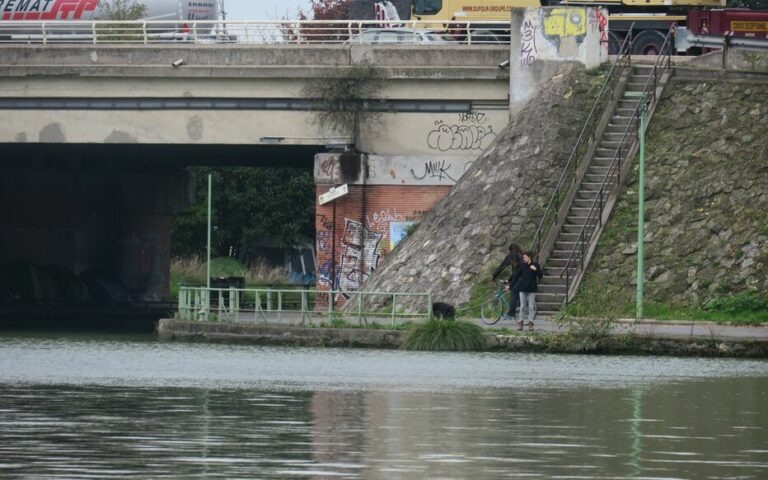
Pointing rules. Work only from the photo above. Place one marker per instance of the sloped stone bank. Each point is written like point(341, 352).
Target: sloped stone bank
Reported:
point(500, 199)
point(706, 202)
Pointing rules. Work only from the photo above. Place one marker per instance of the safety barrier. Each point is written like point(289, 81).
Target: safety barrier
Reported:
point(269, 32)
point(297, 306)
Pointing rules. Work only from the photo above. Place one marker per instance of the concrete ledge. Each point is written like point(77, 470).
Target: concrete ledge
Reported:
point(449, 72)
point(636, 344)
point(255, 55)
point(170, 329)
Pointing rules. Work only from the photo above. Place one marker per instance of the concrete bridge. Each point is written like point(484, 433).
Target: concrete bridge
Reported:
point(95, 139)
point(100, 135)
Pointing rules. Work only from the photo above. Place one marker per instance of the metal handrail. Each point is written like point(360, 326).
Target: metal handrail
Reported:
point(549, 219)
point(232, 304)
point(237, 31)
point(595, 216)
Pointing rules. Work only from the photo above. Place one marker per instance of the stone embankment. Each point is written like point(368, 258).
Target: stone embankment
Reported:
point(499, 200)
point(626, 344)
point(706, 201)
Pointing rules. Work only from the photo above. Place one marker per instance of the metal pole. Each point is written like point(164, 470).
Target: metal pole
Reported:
point(641, 213)
point(208, 260)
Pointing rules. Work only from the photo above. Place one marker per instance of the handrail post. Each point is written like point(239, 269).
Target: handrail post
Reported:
point(394, 303)
point(359, 308)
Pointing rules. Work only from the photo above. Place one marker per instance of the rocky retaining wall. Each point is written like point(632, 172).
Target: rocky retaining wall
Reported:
point(500, 199)
point(706, 231)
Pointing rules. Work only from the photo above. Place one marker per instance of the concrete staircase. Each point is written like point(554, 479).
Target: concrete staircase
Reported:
point(598, 187)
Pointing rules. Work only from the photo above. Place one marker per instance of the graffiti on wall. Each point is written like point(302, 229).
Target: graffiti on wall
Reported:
point(359, 257)
point(331, 169)
point(599, 22)
point(562, 23)
point(435, 170)
point(528, 49)
point(398, 231)
point(469, 132)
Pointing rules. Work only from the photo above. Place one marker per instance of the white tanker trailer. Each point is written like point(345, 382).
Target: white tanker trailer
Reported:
point(178, 13)
point(51, 10)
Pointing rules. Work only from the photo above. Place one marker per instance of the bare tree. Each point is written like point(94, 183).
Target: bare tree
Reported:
point(122, 10)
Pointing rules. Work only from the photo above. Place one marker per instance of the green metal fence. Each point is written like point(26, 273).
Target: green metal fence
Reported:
point(299, 306)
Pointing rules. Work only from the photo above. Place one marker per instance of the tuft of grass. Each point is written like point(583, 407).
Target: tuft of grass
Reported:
point(445, 336)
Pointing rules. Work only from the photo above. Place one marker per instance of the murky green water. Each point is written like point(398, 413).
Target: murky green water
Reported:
point(100, 407)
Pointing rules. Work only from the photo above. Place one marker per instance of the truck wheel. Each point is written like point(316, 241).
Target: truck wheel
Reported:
point(648, 42)
point(614, 42)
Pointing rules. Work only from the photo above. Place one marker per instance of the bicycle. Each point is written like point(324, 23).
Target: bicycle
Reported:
point(496, 305)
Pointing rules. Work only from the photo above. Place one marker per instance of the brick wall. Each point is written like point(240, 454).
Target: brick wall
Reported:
point(354, 233)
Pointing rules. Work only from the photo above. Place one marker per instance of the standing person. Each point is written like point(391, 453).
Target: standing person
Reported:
point(526, 282)
point(514, 259)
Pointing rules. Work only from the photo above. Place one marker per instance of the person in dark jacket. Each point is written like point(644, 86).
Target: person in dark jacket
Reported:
point(526, 282)
point(514, 259)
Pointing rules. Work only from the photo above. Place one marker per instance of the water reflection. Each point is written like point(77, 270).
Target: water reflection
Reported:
point(111, 409)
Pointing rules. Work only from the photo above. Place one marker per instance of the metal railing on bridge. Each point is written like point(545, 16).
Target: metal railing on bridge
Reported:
point(269, 32)
point(296, 306)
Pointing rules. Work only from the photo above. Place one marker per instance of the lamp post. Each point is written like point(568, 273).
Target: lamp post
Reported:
point(641, 97)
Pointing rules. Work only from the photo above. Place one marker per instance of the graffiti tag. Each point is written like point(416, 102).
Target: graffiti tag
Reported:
point(437, 170)
point(460, 137)
point(528, 50)
point(599, 22)
point(475, 117)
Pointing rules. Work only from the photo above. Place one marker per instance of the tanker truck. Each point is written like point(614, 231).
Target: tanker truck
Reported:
point(51, 10)
point(57, 13)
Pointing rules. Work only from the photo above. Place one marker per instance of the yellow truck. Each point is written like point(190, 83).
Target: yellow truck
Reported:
point(652, 18)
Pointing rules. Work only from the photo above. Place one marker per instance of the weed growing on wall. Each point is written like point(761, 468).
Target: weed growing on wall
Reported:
point(344, 100)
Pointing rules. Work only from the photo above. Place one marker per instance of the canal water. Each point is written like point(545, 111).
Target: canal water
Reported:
point(120, 407)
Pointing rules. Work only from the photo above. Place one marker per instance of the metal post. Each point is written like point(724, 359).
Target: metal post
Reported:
point(208, 253)
point(641, 212)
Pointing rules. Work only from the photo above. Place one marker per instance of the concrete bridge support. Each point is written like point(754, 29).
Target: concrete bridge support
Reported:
point(76, 218)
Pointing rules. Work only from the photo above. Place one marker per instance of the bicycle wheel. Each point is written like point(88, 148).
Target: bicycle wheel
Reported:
point(491, 310)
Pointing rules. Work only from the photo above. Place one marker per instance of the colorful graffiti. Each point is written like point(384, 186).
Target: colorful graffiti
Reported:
point(360, 255)
point(562, 23)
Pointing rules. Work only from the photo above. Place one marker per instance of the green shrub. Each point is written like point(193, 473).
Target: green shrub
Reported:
point(742, 302)
point(445, 336)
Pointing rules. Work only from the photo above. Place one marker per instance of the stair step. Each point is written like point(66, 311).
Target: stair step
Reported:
point(552, 289)
point(578, 211)
point(583, 202)
point(590, 186)
point(549, 299)
point(573, 227)
point(594, 177)
point(604, 161)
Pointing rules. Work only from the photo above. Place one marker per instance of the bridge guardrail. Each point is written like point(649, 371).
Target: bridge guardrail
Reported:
point(269, 32)
point(289, 305)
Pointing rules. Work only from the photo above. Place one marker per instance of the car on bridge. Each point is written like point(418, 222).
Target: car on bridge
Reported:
point(401, 36)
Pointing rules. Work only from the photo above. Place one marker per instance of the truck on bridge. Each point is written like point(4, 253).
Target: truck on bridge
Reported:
point(652, 19)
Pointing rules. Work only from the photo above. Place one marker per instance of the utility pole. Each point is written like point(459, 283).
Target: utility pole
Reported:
point(641, 96)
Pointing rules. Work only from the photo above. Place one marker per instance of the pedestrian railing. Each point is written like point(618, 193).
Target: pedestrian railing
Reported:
point(272, 32)
point(554, 214)
point(296, 306)
point(611, 184)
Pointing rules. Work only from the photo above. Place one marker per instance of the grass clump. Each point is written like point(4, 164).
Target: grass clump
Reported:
point(445, 336)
